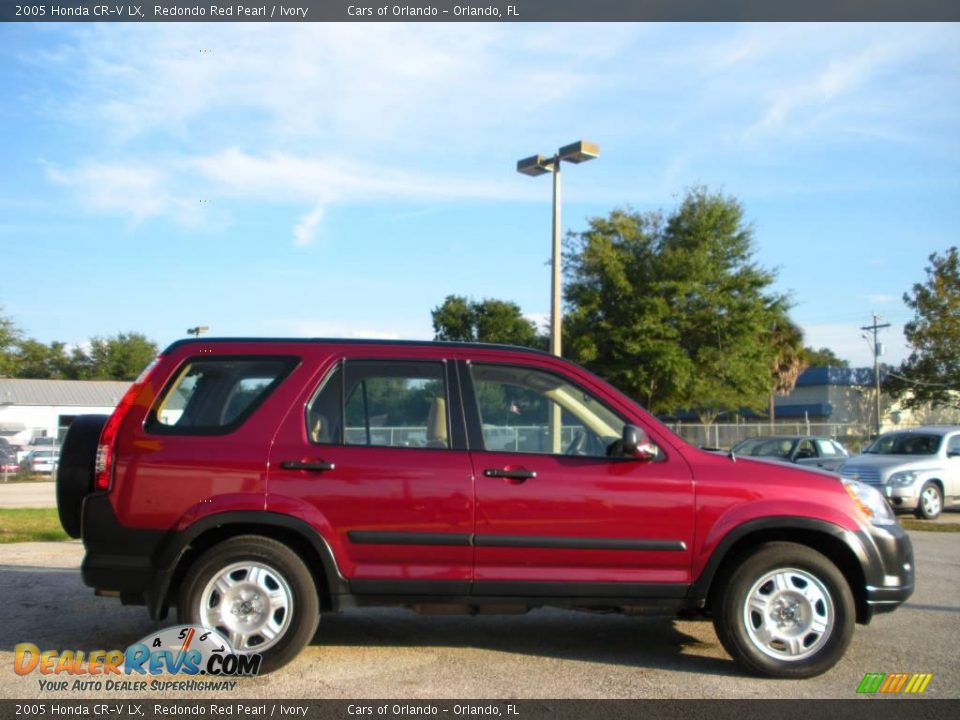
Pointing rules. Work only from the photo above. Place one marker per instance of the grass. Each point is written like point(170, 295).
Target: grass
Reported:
point(912, 524)
point(29, 525)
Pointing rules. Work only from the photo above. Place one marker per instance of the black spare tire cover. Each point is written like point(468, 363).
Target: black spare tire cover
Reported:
point(78, 455)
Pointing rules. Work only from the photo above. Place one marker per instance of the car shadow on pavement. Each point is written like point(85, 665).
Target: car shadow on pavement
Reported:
point(52, 608)
point(642, 642)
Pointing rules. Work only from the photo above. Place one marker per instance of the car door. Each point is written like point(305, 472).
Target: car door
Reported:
point(952, 484)
point(374, 458)
point(556, 514)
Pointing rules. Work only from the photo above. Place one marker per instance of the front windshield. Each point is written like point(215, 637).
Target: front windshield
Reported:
point(905, 444)
point(765, 447)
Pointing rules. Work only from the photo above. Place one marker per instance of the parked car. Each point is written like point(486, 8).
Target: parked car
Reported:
point(40, 461)
point(297, 477)
point(8, 461)
point(916, 469)
point(821, 452)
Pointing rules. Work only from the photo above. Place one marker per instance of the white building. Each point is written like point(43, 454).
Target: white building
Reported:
point(45, 408)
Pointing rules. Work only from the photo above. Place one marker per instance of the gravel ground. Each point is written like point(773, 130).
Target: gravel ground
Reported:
point(392, 653)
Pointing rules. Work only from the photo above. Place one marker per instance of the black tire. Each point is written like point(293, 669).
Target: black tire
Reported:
point(930, 502)
point(805, 650)
point(78, 456)
point(304, 610)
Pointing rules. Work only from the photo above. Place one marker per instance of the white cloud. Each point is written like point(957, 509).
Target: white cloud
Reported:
point(306, 230)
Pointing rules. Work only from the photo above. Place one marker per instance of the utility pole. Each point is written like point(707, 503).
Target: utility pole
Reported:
point(877, 351)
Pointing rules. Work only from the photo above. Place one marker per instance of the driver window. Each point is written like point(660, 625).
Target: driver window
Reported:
point(530, 411)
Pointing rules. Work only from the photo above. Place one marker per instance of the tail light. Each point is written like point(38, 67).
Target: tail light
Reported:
point(103, 468)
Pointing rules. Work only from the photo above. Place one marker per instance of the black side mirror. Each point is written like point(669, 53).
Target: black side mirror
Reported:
point(636, 443)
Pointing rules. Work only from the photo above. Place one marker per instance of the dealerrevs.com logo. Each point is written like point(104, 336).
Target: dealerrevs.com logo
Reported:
point(894, 683)
point(180, 650)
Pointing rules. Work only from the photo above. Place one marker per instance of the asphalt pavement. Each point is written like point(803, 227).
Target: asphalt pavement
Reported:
point(393, 653)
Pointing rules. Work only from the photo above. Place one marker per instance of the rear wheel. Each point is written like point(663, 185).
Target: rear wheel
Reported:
point(930, 503)
point(78, 455)
point(256, 593)
point(785, 611)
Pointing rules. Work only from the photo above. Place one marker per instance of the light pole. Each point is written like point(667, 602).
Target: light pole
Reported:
point(535, 165)
point(197, 331)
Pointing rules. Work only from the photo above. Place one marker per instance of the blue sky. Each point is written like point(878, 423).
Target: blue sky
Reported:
point(353, 175)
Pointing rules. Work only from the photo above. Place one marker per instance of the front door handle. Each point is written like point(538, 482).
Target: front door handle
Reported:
point(511, 474)
point(311, 465)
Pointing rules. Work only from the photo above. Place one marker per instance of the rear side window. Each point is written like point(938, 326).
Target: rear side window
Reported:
point(381, 403)
point(214, 396)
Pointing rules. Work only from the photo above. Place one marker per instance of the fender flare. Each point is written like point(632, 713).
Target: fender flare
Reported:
point(170, 552)
point(852, 540)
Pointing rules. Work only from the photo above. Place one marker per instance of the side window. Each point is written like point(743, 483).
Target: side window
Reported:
point(216, 395)
point(828, 448)
point(525, 410)
point(806, 449)
point(381, 403)
point(953, 445)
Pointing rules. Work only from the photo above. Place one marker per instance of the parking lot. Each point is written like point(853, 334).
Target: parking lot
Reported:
point(547, 653)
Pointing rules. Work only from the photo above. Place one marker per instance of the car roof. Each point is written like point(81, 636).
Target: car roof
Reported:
point(926, 430)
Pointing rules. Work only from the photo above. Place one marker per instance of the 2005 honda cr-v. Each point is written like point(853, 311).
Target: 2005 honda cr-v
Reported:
point(255, 484)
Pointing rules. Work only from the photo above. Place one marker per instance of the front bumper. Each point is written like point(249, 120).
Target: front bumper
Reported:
point(889, 571)
point(901, 497)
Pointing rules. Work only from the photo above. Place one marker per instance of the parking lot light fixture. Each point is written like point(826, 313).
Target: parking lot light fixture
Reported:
point(198, 330)
point(577, 152)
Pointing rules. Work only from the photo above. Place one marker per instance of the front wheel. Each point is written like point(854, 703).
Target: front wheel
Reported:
point(256, 593)
point(785, 611)
point(930, 503)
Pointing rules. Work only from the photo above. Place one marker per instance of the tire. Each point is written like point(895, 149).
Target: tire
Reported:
point(78, 456)
point(930, 502)
point(253, 569)
point(801, 617)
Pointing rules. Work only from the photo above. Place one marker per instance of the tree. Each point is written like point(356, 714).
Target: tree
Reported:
point(823, 357)
point(491, 321)
point(120, 357)
point(931, 373)
point(9, 336)
point(37, 360)
point(675, 312)
point(788, 360)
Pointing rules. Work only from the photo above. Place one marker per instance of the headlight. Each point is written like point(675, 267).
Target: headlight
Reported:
point(903, 478)
point(870, 502)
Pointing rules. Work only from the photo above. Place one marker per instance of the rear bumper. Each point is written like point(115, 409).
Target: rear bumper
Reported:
point(120, 559)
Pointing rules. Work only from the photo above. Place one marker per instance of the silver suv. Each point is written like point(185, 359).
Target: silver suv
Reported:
point(916, 469)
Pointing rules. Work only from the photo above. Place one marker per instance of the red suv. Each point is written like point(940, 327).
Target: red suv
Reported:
point(254, 484)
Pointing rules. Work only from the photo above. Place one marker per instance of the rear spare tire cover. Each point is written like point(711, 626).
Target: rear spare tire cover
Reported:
point(78, 455)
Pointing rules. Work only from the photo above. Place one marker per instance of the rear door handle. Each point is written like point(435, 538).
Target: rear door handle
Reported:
point(311, 465)
point(511, 474)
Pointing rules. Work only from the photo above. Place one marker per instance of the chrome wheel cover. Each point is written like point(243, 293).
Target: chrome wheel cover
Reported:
point(789, 614)
point(930, 500)
point(249, 603)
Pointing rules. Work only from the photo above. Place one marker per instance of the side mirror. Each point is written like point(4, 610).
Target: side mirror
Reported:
point(636, 443)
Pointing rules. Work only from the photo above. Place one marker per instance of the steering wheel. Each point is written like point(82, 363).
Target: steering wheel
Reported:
point(576, 446)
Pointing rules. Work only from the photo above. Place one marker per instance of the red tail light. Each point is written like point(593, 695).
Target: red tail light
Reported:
point(103, 469)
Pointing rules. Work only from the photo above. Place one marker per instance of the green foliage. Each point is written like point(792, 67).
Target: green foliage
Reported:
point(824, 357)
point(119, 357)
point(489, 321)
point(675, 312)
point(9, 336)
point(931, 374)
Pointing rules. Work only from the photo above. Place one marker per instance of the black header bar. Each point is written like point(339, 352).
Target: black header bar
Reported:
point(479, 11)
